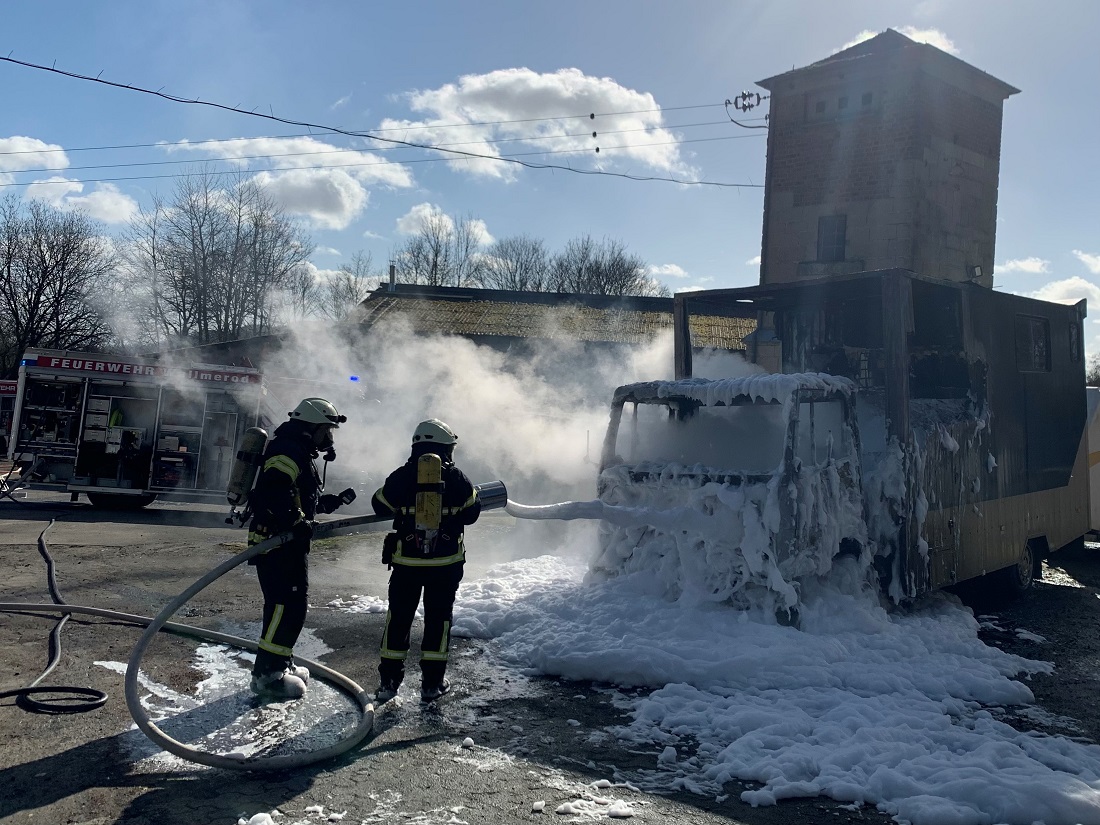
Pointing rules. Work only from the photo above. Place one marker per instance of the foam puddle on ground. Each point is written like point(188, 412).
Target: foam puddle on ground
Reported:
point(223, 716)
point(901, 710)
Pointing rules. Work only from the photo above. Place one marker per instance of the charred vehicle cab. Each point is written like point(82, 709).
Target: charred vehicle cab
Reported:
point(971, 415)
point(759, 476)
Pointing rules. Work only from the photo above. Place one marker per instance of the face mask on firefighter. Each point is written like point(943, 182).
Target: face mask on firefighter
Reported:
point(323, 437)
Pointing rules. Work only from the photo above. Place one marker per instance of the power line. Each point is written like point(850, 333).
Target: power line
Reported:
point(308, 125)
point(192, 143)
point(236, 158)
point(320, 167)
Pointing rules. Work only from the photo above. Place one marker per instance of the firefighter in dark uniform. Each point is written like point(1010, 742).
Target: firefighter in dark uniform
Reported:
point(431, 501)
point(287, 496)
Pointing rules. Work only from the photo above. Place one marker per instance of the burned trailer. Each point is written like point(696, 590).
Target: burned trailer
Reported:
point(749, 485)
point(124, 431)
point(971, 411)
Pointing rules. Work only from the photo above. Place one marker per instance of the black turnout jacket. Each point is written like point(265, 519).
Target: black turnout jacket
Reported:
point(461, 506)
point(288, 487)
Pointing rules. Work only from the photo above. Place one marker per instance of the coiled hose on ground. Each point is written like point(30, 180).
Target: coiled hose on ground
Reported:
point(493, 495)
point(160, 622)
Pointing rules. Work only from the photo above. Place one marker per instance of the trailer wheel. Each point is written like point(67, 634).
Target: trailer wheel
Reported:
point(115, 501)
point(1018, 579)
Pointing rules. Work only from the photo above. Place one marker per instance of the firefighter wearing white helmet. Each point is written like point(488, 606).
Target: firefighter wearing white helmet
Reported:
point(435, 431)
point(287, 496)
point(431, 501)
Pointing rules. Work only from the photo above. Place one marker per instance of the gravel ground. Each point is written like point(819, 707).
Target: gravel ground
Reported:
point(94, 768)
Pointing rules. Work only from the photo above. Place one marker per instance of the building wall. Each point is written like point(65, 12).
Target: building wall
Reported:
point(912, 161)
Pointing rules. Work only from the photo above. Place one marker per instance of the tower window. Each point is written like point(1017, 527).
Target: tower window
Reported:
point(842, 103)
point(866, 98)
point(831, 232)
point(820, 106)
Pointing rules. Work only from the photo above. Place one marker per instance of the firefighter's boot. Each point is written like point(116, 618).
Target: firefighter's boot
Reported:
point(386, 691)
point(278, 685)
point(431, 692)
point(301, 671)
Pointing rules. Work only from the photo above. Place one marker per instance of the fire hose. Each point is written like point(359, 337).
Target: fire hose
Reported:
point(493, 495)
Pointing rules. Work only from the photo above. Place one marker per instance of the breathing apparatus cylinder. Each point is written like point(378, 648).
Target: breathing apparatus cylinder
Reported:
point(429, 492)
point(247, 464)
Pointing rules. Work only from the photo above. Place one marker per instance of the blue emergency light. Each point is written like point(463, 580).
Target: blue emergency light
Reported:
point(353, 377)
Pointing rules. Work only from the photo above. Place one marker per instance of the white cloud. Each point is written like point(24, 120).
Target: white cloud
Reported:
point(329, 199)
point(53, 190)
point(753, 261)
point(549, 111)
point(933, 37)
point(326, 250)
point(667, 271)
point(1069, 291)
point(305, 153)
point(416, 218)
point(320, 275)
point(1090, 260)
point(480, 230)
point(413, 221)
point(1033, 265)
point(106, 203)
point(340, 103)
point(18, 153)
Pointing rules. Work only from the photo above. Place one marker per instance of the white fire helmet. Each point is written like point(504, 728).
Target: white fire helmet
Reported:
point(434, 431)
point(317, 411)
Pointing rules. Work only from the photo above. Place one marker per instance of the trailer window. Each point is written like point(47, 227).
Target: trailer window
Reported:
point(1032, 344)
point(741, 438)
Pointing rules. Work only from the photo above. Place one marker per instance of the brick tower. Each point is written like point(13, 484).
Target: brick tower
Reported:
point(883, 155)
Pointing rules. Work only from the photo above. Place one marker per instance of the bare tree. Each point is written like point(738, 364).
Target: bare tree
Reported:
point(520, 262)
point(443, 252)
point(213, 259)
point(601, 268)
point(54, 266)
point(349, 287)
point(302, 294)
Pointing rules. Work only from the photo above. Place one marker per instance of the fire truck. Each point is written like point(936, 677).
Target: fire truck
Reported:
point(125, 430)
point(7, 412)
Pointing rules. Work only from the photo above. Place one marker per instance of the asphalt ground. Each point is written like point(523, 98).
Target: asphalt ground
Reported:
point(487, 754)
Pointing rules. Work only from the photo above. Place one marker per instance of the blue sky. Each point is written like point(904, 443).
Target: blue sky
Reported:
point(428, 72)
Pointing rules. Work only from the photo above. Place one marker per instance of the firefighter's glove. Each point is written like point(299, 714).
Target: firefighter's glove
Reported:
point(329, 502)
point(302, 530)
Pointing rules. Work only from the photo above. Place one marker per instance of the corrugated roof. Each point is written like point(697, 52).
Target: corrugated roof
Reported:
point(474, 313)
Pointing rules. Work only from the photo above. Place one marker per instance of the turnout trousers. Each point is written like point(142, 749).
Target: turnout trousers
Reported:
point(284, 580)
point(439, 586)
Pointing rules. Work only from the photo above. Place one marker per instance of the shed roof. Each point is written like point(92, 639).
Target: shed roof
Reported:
point(548, 316)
